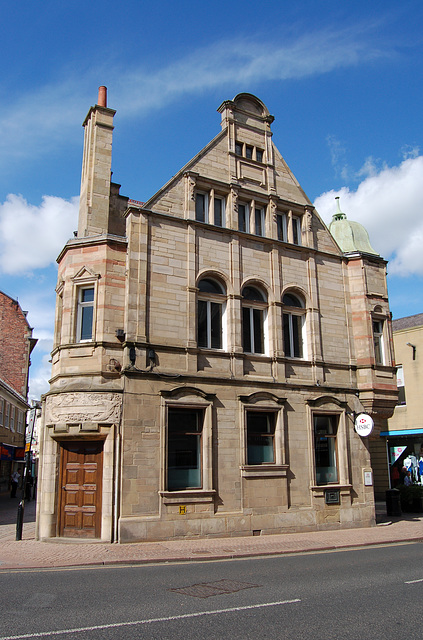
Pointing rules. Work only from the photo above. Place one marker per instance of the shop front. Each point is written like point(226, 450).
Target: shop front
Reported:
point(404, 449)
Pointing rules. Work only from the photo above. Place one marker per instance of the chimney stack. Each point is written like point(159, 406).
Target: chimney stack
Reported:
point(102, 96)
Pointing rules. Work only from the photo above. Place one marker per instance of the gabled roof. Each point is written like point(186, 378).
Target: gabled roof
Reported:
point(408, 322)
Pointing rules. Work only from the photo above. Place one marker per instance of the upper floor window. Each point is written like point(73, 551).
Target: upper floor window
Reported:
point(202, 207)
point(6, 414)
point(282, 227)
point(293, 326)
point(244, 217)
point(20, 421)
point(238, 148)
point(1, 411)
point(259, 221)
point(219, 211)
point(378, 341)
point(12, 418)
point(296, 230)
point(249, 151)
point(85, 314)
point(210, 310)
point(400, 385)
point(254, 307)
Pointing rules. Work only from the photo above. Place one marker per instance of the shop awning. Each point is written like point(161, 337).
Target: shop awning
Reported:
point(402, 432)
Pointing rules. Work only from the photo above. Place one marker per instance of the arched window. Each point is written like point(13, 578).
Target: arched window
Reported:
point(254, 307)
point(293, 326)
point(210, 311)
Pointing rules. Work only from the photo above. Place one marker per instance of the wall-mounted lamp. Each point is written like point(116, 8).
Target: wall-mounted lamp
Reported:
point(413, 346)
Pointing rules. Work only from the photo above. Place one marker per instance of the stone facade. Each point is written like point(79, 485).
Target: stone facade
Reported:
point(217, 342)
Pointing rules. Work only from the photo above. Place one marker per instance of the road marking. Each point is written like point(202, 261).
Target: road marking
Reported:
point(413, 581)
point(44, 634)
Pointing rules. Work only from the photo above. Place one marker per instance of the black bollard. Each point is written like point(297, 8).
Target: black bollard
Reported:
point(19, 521)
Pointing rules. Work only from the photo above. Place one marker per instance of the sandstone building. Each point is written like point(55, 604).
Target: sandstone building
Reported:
point(16, 344)
point(212, 347)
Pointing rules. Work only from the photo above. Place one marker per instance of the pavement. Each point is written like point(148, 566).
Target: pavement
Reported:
point(30, 553)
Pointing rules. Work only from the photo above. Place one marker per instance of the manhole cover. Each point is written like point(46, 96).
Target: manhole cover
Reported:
point(219, 587)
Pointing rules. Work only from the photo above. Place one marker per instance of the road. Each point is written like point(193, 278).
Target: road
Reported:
point(371, 593)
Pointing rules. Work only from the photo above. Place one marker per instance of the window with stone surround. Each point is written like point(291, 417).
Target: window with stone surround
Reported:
point(293, 321)
point(211, 307)
point(254, 316)
point(296, 230)
point(379, 350)
point(259, 221)
point(325, 448)
point(282, 227)
point(260, 437)
point(244, 217)
point(201, 207)
point(184, 446)
point(85, 314)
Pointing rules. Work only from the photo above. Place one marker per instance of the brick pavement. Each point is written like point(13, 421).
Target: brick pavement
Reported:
point(30, 553)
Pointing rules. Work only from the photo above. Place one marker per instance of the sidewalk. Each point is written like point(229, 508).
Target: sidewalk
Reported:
point(29, 553)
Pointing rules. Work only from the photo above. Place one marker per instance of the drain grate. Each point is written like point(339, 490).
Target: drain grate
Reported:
point(219, 587)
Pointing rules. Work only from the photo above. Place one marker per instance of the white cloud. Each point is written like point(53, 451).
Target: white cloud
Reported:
point(389, 203)
point(39, 377)
point(35, 123)
point(30, 236)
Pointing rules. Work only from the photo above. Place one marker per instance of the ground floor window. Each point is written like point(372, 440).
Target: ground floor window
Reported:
point(325, 432)
point(260, 437)
point(185, 428)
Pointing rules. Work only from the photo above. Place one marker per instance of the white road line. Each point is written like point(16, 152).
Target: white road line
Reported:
point(45, 634)
point(407, 582)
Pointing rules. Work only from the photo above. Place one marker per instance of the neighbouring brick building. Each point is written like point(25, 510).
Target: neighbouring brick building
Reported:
point(16, 344)
point(212, 347)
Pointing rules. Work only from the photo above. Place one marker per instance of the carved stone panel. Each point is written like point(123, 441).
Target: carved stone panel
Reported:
point(79, 407)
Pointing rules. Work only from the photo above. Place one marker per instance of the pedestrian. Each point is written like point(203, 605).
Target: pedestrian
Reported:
point(16, 476)
point(407, 480)
point(28, 486)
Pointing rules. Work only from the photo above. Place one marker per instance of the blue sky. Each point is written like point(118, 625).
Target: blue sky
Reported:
point(343, 80)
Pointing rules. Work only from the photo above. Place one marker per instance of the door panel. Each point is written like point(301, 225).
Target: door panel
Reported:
point(80, 494)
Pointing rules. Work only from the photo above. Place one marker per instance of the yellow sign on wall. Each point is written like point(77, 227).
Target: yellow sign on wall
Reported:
point(182, 510)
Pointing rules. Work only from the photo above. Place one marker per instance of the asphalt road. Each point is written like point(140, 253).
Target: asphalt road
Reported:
point(373, 593)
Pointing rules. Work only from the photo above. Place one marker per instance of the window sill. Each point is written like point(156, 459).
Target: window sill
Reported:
point(331, 487)
point(188, 496)
point(264, 470)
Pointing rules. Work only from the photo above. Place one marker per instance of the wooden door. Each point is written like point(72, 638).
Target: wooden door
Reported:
point(80, 493)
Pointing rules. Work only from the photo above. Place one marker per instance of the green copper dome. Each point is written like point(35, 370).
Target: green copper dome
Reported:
point(351, 237)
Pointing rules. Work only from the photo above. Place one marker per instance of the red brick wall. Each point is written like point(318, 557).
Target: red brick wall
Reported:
point(14, 344)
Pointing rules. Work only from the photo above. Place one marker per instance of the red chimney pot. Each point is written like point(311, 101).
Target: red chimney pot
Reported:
point(102, 96)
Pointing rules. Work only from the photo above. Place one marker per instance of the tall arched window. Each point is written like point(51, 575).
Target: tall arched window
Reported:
point(293, 326)
point(210, 311)
point(254, 308)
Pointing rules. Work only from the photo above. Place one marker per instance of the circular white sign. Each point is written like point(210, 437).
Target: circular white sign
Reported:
point(363, 424)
